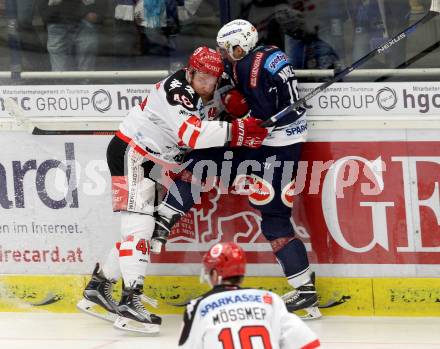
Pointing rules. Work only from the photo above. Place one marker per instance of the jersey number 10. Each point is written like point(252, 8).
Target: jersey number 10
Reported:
point(245, 334)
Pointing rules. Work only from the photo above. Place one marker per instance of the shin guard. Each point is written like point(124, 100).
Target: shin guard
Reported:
point(134, 252)
point(292, 257)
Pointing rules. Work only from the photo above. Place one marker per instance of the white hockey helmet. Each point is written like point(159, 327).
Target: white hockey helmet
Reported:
point(237, 33)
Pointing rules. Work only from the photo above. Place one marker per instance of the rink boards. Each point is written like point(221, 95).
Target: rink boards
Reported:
point(366, 204)
point(374, 240)
point(343, 296)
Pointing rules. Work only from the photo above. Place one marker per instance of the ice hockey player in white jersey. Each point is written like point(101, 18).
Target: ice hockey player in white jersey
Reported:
point(176, 117)
point(231, 317)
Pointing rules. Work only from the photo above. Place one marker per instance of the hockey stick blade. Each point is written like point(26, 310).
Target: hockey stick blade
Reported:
point(434, 11)
point(179, 305)
point(333, 302)
point(49, 299)
point(13, 109)
point(41, 132)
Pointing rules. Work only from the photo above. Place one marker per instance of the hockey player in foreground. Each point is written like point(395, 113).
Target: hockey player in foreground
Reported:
point(232, 317)
point(267, 80)
point(170, 122)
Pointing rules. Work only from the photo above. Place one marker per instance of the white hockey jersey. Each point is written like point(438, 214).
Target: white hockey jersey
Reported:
point(173, 120)
point(229, 317)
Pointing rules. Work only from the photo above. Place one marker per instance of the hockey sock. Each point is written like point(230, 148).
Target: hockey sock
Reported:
point(180, 198)
point(293, 259)
point(168, 212)
point(134, 252)
point(110, 268)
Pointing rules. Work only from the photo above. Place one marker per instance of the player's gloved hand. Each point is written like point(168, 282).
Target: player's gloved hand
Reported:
point(247, 133)
point(161, 232)
point(235, 104)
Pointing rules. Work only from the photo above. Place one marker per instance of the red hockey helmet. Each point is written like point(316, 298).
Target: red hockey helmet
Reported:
point(206, 60)
point(227, 258)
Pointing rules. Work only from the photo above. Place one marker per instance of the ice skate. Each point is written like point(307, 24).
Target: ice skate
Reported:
point(303, 298)
point(98, 300)
point(133, 316)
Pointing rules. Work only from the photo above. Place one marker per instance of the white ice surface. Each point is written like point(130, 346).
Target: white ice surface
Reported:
point(78, 331)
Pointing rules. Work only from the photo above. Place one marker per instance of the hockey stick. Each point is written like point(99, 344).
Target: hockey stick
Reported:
point(433, 11)
point(412, 60)
point(330, 304)
point(41, 132)
point(25, 123)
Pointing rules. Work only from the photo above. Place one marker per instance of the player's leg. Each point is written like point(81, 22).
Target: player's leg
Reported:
point(98, 292)
point(276, 226)
point(186, 191)
point(134, 257)
point(137, 198)
point(177, 202)
point(134, 196)
point(292, 256)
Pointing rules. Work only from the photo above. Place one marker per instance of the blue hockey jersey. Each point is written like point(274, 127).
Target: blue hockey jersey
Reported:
point(267, 80)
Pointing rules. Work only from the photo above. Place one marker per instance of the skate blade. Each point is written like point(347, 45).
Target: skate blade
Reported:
point(95, 310)
point(311, 313)
point(125, 324)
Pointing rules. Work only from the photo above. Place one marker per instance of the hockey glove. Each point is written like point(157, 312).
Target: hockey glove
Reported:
point(247, 133)
point(235, 104)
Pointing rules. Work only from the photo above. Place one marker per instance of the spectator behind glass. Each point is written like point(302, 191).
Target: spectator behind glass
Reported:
point(374, 22)
point(261, 14)
point(186, 11)
point(160, 21)
point(146, 31)
point(72, 32)
point(303, 46)
point(126, 35)
point(33, 51)
point(396, 16)
point(369, 28)
point(281, 23)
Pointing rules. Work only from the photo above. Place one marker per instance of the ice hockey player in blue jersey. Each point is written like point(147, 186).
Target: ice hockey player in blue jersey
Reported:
point(229, 316)
point(267, 81)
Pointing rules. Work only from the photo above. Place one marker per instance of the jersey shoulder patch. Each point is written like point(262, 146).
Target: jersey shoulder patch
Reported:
point(179, 92)
point(276, 61)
